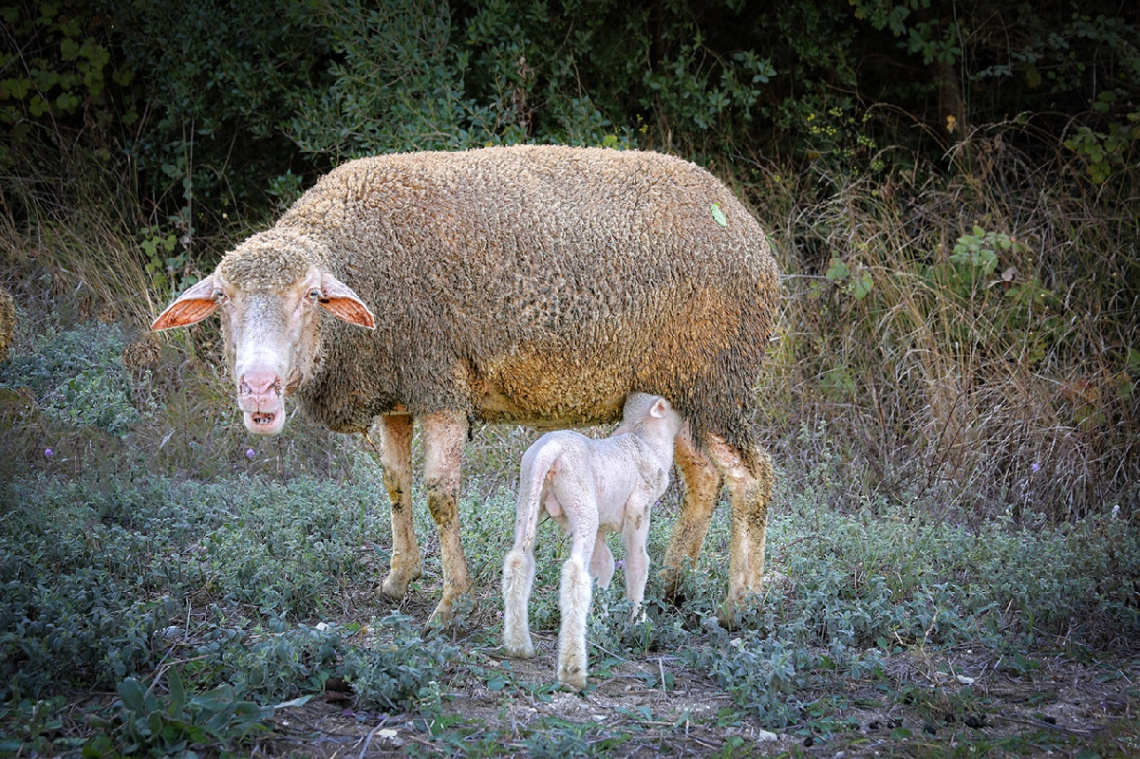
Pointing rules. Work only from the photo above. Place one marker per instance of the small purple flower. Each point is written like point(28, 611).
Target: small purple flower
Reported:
point(48, 453)
point(1035, 467)
point(619, 564)
point(250, 454)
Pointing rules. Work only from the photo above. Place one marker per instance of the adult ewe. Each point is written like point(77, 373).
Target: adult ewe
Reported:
point(532, 285)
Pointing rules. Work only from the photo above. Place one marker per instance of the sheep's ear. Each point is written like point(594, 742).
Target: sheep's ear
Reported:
point(190, 307)
point(339, 300)
point(659, 408)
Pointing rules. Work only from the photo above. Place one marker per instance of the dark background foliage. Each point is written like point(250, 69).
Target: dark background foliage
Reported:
point(951, 186)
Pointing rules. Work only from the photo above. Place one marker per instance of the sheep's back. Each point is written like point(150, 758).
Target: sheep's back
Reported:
point(544, 283)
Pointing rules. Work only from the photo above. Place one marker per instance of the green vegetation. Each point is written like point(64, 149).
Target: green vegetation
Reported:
point(950, 396)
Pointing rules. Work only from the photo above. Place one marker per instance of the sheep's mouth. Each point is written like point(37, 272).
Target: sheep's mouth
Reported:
point(265, 422)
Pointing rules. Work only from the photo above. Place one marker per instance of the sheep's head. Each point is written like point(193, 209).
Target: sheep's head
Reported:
point(269, 292)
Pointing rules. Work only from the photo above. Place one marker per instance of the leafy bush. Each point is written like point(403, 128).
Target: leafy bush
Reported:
point(173, 724)
point(78, 377)
point(92, 573)
point(401, 670)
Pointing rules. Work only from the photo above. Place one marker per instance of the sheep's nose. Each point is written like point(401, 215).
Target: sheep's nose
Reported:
point(259, 383)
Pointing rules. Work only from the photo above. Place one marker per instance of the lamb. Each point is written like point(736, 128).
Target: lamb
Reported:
point(591, 487)
point(535, 285)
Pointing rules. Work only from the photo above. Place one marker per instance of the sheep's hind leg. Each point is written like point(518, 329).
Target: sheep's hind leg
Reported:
point(701, 482)
point(750, 490)
point(602, 563)
point(396, 460)
point(444, 436)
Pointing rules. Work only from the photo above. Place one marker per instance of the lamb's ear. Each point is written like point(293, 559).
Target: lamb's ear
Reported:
point(659, 408)
point(190, 307)
point(339, 300)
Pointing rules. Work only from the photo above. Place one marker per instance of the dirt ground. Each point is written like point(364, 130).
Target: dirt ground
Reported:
point(1062, 708)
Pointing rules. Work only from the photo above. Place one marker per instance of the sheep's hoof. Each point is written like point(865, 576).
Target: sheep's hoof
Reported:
point(726, 617)
point(396, 583)
point(453, 610)
point(673, 593)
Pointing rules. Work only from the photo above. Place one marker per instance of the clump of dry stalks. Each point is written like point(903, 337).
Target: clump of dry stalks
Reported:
point(972, 338)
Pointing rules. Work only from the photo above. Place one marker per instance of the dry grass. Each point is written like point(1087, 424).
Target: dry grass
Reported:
point(1008, 390)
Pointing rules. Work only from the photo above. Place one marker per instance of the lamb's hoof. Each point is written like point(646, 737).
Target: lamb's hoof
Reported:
point(519, 651)
point(574, 677)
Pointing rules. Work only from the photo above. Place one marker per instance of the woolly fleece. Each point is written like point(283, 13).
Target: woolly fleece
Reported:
point(529, 284)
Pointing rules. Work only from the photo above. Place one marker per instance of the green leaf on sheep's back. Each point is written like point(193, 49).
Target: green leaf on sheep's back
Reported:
point(718, 215)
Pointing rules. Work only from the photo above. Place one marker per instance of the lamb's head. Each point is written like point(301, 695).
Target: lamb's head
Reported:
point(269, 291)
point(650, 417)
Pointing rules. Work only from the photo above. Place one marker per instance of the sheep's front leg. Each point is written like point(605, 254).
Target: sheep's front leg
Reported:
point(444, 436)
point(574, 598)
point(396, 460)
point(701, 484)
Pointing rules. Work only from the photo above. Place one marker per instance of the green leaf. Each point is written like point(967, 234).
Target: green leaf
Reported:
point(838, 271)
point(718, 215)
point(131, 691)
point(69, 49)
point(300, 701)
point(177, 692)
point(217, 699)
point(861, 286)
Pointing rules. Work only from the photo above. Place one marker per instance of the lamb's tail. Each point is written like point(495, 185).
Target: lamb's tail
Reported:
point(536, 465)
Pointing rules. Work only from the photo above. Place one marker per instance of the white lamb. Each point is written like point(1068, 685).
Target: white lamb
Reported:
point(591, 487)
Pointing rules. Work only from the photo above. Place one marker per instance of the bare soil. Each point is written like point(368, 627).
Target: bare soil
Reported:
point(963, 702)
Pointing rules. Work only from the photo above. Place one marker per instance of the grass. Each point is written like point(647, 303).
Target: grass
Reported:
point(148, 610)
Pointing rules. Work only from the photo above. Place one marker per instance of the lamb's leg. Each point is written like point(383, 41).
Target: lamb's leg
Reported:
point(602, 564)
point(750, 490)
point(581, 510)
point(701, 483)
point(635, 535)
point(518, 566)
point(444, 436)
point(518, 580)
point(396, 460)
point(574, 605)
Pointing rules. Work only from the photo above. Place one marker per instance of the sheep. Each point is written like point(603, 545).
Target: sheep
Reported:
point(534, 285)
point(592, 488)
point(7, 322)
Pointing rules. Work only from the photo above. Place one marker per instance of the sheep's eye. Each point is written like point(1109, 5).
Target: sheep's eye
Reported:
point(218, 294)
point(315, 294)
